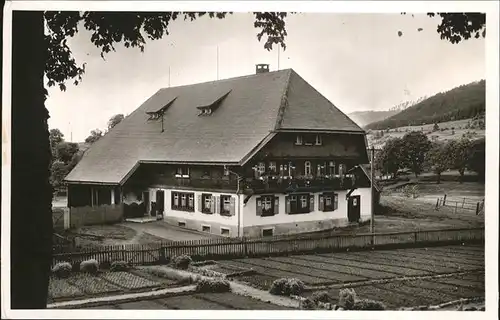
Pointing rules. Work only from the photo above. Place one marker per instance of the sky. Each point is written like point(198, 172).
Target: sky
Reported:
point(356, 60)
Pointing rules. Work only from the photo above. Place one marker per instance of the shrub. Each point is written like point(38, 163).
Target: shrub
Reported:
point(367, 304)
point(321, 296)
point(287, 287)
point(347, 298)
point(213, 285)
point(119, 266)
point(182, 262)
point(308, 304)
point(89, 266)
point(171, 274)
point(62, 269)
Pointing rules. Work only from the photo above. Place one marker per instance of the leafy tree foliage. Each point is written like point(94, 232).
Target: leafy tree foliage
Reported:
point(114, 120)
point(463, 102)
point(55, 137)
point(414, 147)
point(95, 135)
point(477, 158)
point(66, 151)
point(389, 159)
point(438, 158)
point(59, 170)
point(459, 152)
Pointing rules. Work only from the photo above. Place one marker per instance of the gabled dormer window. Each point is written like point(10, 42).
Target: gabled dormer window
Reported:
point(182, 172)
point(319, 141)
point(298, 140)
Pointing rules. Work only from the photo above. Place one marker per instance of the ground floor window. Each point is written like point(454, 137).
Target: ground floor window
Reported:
point(207, 203)
point(328, 201)
point(299, 203)
point(267, 205)
point(225, 231)
point(181, 224)
point(269, 232)
point(205, 229)
point(183, 201)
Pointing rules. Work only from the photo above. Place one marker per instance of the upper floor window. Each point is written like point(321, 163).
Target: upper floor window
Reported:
point(272, 166)
point(319, 141)
point(207, 203)
point(182, 172)
point(331, 168)
point(298, 140)
point(342, 169)
point(307, 168)
point(321, 169)
point(261, 168)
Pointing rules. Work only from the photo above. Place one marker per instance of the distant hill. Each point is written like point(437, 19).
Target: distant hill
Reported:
point(362, 118)
point(462, 102)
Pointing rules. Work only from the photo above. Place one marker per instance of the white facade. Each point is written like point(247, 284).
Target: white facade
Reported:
point(245, 220)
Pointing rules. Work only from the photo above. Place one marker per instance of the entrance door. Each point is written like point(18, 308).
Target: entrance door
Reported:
point(160, 202)
point(354, 209)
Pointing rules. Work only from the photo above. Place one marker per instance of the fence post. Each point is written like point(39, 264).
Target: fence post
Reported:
point(463, 203)
point(444, 200)
point(415, 236)
point(437, 204)
point(456, 207)
point(477, 209)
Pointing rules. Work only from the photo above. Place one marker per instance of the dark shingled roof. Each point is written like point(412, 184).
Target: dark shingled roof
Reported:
point(244, 118)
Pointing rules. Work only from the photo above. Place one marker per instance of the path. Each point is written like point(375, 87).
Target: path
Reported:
point(165, 231)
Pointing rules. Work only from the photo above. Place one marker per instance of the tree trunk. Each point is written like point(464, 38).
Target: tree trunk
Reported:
point(461, 178)
point(439, 178)
point(31, 209)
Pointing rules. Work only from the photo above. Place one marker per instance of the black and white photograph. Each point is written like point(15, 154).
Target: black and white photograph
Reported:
point(250, 159)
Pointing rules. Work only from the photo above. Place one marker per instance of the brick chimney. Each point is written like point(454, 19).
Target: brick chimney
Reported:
point(261, 68)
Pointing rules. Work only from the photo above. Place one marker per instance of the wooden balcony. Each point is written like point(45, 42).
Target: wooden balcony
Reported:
point(297, 184)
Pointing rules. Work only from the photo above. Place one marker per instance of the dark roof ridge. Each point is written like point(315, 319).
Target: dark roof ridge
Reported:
point(284, 101)
point(228, 79)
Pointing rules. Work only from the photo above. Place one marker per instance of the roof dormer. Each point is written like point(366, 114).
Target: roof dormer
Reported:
point(210, 108)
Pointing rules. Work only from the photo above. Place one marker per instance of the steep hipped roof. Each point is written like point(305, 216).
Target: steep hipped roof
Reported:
point(244, 119)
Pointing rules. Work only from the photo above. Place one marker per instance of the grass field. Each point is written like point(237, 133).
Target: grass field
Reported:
point(442, 267)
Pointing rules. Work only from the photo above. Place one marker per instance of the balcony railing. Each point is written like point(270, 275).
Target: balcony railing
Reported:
point(298, 184)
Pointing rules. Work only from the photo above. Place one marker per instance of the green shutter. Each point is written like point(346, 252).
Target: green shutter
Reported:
point(200, 203)
point(335, 201)
point(212, 204)
point(217, 204)
point(287, 203)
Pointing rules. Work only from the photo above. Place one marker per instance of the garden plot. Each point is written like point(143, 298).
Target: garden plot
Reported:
point(342, 273)
point(455, 263)
point(473, 280)
point(226, 269)
point(129, 281)
point(274, 272)
point(236, 301)
point(422, 296)
point(392, 258)
point(190, 302)
point(452, 252)
point(257, 280)
point(92, 284)
point(369, 269)
point(60, 288)
point(453, 290)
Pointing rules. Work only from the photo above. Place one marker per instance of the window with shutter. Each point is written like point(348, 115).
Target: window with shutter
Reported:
point(206, 203)
point(321, 202)
point(276, 205)
point(225, 205)
point(267, 204)
point(258, 206)
point(311, 206)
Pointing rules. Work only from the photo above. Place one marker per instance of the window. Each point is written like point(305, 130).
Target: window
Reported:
point(267, 206)
point(181, 224)
point(309, 140)
point(329, 201)
point(225, 231)
point(298, 140)
point(321, 170)
point(207, 203)
point(205, 228)
point(307, 168)
point(331, 168)
point(182, 172)
point(225, 203)
point(301, 203)
point(319, 141)
point(341, 169)
point(272, 166)
point(267, 232)
point(261, 168)
point(183, 201)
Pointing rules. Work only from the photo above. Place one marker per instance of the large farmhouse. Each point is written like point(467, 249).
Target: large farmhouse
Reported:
point(257, 155)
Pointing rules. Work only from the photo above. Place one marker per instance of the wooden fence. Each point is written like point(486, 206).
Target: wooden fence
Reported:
point(85, 216)
point(220, 248)
point(461, 204)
